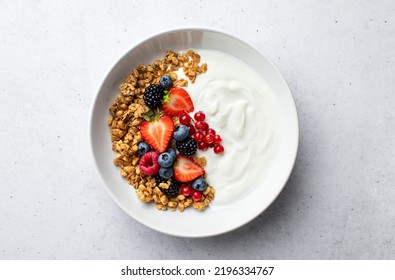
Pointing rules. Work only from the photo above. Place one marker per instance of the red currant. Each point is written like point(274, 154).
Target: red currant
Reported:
point(201, 125)
point(209, 138)
point(186, 190)
point(217, 139)
point(200, 116)
point(197, 196)
point(185, 119)
point(210, 131)
point(192, 129)
point(211, 145)
point(202, 146)
point(198, 136)
point(218, 149)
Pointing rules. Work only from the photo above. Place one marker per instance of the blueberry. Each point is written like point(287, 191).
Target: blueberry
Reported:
point(143, 148)
point(181, 132)
point(166, 81)
point(172, 152)
point(166, 172)
point(199, 184)
point(165, 159)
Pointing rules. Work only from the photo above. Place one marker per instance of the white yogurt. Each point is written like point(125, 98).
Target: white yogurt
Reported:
point(241, 108)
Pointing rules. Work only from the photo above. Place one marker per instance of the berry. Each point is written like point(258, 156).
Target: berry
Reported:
point(179, 103)
point(187, 169)
point(166, 172)
point(209, 138)
point(158, 133)
point(149, 163)
point(192, 129)
point(165, 159)
point(198, 136)
point(166, 81)
point(172, 152)
point(197, 196)
point(199, 184)
point(181, 132)
point(187, 147)
point(185, 119)
point(173, 188)
point(201, 125)
point(210, 131)
point(186, 190)
point(218, 149)
point(199, 116)
point(153, 95)
point(202, 146)
point(217, 139)
point(143, 148)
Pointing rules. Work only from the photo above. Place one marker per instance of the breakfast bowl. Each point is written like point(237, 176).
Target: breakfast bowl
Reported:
point(246, 99)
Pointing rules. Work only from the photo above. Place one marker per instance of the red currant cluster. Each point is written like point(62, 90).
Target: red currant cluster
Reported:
point(188, 191)
point(199, 130)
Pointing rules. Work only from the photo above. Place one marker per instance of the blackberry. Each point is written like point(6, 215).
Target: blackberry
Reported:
point(153, 95)
point(187, 147)
point(173, 188)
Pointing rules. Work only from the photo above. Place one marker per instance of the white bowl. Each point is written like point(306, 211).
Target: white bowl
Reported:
point(214, 220)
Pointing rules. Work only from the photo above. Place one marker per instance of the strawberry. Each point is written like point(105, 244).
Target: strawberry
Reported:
point(186, 169)
point(158, 133)
point(177, 102)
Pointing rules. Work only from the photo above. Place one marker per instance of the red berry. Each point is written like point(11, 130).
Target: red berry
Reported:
point(186, 190)
point(192, 129)
point(185, 119)
point(209, 138)
point(201, 125)
point(198, 136)
point(200, 116)
point(202, 146)
point(211, 145)
point(217, 139)
point(197, 196)
point(218, 149)
point(210, 131)
point(149, 163)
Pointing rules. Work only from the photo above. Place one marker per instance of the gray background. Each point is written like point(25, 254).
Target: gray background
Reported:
point(338, 58)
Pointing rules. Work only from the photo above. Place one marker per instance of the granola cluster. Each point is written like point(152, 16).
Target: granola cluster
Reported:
point(126, 115)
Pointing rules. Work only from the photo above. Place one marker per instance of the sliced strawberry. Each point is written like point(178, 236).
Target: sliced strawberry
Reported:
point(186, 169)
point(158, 133)
point(179, 102)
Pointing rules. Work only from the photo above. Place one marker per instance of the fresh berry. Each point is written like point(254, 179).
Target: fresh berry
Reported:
point(166, 81)
point(158, 133)
point(211, 145)
point(217, 139)
point(201, 125)
point(143, 148)
point(149, 163)
point(186, 190)
point(209, 138)
point(198, 136)
point(179, 102)
point(192, 129)
point(199, 184)
point(199, 116)
point(173, 188)
point(210, 131)
point(186, 169)
point(172, 152)
point(166, 172)
point(185, 119)
point(187, 147)
point(153, 96)
point(218, 149)
point(165, 159)
point(181, 132)
point(197, 196)
point(202, 146)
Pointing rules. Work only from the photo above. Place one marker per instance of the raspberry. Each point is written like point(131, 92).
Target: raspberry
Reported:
point(149, 163)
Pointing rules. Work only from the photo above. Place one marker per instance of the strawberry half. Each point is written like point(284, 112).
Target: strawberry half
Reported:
point(158, 133)
point(186, 169)
point(177, 102)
